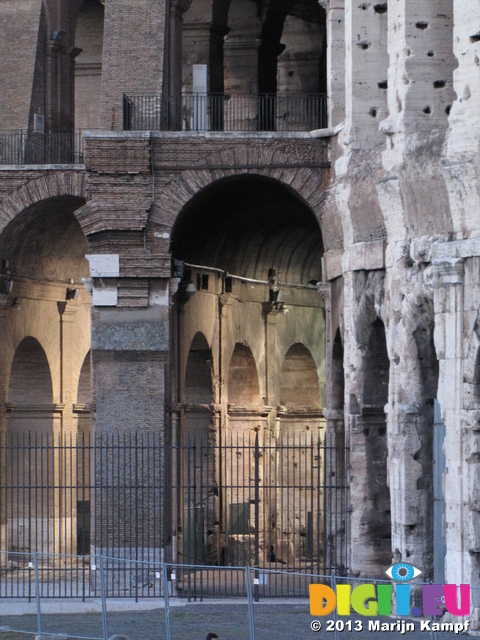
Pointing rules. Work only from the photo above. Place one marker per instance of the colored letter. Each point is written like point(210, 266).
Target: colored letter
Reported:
point(432, 604)
point(384, 595)
point(450, 591)
point(319, 593)
point(362, 594)
point(343, 599)
point(402, 592)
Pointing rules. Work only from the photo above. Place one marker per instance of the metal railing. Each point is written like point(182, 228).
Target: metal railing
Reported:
point(246, 622)
point(24, 147)
point(278, 503)
point(197, 112)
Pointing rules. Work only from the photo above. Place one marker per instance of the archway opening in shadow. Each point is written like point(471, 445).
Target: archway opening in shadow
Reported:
point(248, 251)
point(43, 258)
point(377, 525)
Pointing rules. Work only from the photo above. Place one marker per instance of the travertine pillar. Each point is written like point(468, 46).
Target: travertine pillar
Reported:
point(448, 303)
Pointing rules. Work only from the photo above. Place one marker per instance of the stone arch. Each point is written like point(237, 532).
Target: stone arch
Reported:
point(84, 382)
point(52, 185)
point(338, 373)
point(299, 385)
point(243, 385)
point(30, 454)
point(375, 387)
point(198, 390)
point(84, 395)
point(198, 375)
point(299, 392)
point(307, 184)
point(30, 378)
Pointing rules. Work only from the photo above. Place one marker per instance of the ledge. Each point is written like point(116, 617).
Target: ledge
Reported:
point(42, 167)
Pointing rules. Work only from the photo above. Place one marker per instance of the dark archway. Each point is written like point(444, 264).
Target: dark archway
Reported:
point(247, 225)
point(377, 526)
point(248, 250)
point(338, 374)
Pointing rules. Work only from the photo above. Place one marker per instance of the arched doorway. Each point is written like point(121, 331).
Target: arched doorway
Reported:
point(299, 499)
point(377, 526)
point(43, 259)
point(248, 253)
point(30, 456)
point(198, 459)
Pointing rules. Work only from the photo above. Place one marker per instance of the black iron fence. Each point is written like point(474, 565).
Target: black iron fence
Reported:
point(277, 504)
point(22, 147)
point(197, 112)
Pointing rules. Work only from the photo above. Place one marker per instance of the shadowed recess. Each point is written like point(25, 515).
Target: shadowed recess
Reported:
point(46, 241)
point(246, 226)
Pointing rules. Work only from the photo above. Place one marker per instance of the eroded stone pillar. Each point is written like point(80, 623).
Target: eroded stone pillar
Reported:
point(448, 304)
point(413, 389)
point(366, 392)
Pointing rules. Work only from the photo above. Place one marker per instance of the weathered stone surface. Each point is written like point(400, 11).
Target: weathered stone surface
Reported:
point(394, 189)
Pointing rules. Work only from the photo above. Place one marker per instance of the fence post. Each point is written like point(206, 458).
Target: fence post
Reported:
point(166, 600)
point(248, 578)
point(333, 584)
point(37, 596)
point(102, 592)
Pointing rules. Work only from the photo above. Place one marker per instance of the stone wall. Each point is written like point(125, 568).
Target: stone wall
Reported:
point(393, 185)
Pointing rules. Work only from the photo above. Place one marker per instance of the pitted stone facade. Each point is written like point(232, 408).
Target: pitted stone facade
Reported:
point(377, 208)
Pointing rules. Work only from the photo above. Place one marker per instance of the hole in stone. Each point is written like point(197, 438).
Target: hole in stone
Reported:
point(475, 37)
point(380, 8)
point(412, 527)
point(373, 112)
point(421, 25)
point(364, 6)
point(448, 108)
point(408, 553)
point(416, 455)
point(366, 432)
point(439, 84)
point(427, 110)
point(364, 45)
point(430, 54)
point(290, 74)
point(383, 84)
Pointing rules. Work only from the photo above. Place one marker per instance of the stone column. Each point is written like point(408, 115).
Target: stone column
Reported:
point(448, 303)
point(3, 427)
point(336, 62)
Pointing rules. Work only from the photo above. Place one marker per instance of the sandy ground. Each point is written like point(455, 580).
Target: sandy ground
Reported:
point(283, 620)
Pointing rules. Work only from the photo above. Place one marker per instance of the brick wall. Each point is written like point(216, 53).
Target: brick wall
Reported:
point(19, 24)
point(133, 54)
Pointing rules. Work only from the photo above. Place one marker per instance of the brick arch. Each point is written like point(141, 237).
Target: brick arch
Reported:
point(39, 189)
point(307, 183)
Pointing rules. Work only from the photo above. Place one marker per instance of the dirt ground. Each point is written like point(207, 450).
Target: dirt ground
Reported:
point(273, 620)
